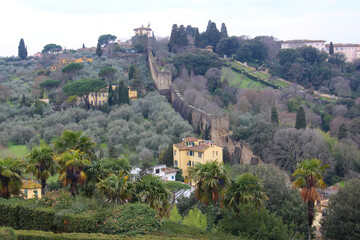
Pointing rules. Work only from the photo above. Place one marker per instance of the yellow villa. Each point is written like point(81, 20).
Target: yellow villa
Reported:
point(31, 189)
point(143, 31)
point(100, 98)
point(192, 151)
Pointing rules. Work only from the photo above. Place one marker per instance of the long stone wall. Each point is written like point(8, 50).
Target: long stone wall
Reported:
point(218, 125)
point(162, 78)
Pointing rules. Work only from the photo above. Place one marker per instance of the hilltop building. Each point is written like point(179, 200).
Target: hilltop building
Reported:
point(293, 44)
point(192, 151)
point(351, 51)
point(101, 97)
point(143, 31)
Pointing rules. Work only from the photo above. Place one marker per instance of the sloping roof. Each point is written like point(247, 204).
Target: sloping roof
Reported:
point(302, 41)
point(199, 148)
point(30, 184)
point(191, 139)
point(169, 170)
point(344, 45)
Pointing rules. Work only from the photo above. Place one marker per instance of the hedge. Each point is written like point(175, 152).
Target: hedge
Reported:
point(20, 216)
point(7, 233)
point(40, 235)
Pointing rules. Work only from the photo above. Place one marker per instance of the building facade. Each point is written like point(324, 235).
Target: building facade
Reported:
point(293, 44)
point(31, 189)
point(101, 97)
point(351, 51)
point(143, 31)
point(165, 173)
point(192, 151)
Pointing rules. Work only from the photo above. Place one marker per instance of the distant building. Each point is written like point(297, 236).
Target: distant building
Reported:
point(101, 97)
point(143, 31)
point(31, 189)
point(293, 44)
point(209, 48)
point(38, 55)
point(165, 173)
point(192, 151)
point(351, 51)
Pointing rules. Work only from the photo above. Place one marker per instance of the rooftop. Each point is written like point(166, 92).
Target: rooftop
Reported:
point(199, 146)
point(30, 184)
point(302, 41)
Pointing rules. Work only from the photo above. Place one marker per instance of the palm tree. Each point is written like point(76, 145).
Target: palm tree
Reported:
point(41, 164)
point(246, 188)
point(210, 179)
point(71, 165)
point(309, 177)
point(152, 190)
point(10, 176)
point(74, 140)
point(116, 187)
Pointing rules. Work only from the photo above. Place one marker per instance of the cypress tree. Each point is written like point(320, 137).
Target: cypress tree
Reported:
point(116, 95)
point(110, 95)
point(123, 93)
point(99, 50)
point(224, 33)
point(331, 49)
point(342, 131)
point(83, 45)
point(22, 50)
point(23, 101)
point(300, 119)
point(112, 152)
point(274, 116)
point(197, 38)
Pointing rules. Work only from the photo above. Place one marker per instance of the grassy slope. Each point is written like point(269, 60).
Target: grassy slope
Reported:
point(237, 80)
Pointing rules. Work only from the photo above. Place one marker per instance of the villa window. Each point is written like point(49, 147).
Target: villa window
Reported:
point(99, 103)
point(176, 163)
point(99, 94)
point(199, 155)
point(26, 193)
point(104, 102)
point(92, 94)
point(103, 94)
point(189, 163)
point(157, 171)
point(175, 153)
point(191, 153)
point(92, 102)
point(35, 193)
point(172, 177)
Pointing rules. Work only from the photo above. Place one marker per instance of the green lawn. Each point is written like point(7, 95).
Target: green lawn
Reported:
point(19, 151)
point(238, 80)
point(261, 75)
point(240, 66)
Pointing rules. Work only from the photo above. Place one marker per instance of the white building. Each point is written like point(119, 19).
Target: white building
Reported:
point(351, 51)
point(293, 44)
point(166, 174)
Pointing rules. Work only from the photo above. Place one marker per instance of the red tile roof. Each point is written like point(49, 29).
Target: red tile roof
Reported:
point(191, 139)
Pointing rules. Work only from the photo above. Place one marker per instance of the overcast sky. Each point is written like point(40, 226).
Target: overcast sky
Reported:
point(70, 23)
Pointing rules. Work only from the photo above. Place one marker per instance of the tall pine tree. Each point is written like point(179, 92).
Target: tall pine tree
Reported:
point(22, 50)
point(331, 49)
point(197, 38)
point(274, 116)
point(300, 119)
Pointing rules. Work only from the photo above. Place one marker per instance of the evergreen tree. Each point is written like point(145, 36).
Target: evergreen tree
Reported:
point(132, 70)
point(174, 37)
point(22, 50)
point(224, 33)
point(123, 93)
point(342, 131)
point(331, 49)
point(197, 38)
point(112, 152)
point(300, 119)
point(207, 133)
point(83, 45)
point(274, 116)
point(212, 34)
point(110, 95)
point(183, 41)
point(116, 95)
point(99, 51)
point(23, 101)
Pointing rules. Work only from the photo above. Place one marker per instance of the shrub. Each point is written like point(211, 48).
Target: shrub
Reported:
point(7, 233)
point(132, 219)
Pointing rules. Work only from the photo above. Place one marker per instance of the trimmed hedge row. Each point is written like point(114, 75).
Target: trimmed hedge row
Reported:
point(18, 216)
point(7, 233)
point(39, 235)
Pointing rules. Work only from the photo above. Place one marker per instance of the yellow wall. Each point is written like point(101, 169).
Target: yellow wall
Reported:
point(31, 192)
point(102, 97)
point(213, 153)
